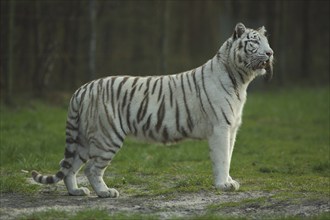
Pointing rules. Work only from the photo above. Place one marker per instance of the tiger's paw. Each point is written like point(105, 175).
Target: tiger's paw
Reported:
point(82, 191)
point(110, 193)
point(229, 186)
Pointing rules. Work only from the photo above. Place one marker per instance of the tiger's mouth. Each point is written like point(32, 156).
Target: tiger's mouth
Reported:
point(265, 65)
point(268, 66)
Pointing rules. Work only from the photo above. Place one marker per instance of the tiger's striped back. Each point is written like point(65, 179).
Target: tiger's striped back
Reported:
point(160, 108)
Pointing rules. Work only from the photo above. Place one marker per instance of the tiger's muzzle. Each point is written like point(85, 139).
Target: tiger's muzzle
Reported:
point(268, 65)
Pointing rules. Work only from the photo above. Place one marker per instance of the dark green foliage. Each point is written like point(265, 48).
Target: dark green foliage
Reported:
point(51, 46)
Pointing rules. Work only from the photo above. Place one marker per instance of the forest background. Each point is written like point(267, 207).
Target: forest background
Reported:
point(54, 46)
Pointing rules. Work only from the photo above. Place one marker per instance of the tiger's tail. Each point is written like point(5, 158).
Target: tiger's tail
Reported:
point(39, 178)
point(70, 150)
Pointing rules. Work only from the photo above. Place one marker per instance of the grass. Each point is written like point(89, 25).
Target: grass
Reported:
point(285, 137)
point(88, 214)
point(282, 146)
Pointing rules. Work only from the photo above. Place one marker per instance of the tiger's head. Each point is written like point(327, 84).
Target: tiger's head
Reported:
point(251, 51)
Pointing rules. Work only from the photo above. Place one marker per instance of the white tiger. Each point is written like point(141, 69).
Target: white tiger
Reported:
point(203, 103)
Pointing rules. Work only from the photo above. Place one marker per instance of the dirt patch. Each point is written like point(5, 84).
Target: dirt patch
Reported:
point(232, 204)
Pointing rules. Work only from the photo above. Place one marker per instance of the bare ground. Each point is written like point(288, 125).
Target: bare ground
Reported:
point(255, 205)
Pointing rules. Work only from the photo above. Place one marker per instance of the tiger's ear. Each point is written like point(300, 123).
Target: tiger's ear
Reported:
point(262, 30)
point(239, 30)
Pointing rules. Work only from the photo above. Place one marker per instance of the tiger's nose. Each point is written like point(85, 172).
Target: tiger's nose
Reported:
point(269, 53)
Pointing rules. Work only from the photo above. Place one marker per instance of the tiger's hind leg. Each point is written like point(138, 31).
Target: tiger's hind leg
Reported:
point(94, 171)
point(70, 179)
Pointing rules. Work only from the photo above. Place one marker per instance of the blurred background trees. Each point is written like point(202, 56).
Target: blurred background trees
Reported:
point(57, 45)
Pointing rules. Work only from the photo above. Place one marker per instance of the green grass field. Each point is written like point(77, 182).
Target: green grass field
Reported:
point(282, 146)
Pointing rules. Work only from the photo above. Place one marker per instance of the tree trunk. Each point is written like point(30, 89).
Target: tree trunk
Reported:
point(11, 41)
point(305, 40)
point(165, 16)
point(92, 42)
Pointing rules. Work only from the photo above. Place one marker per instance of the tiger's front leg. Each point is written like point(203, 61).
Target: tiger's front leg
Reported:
point(220, 152)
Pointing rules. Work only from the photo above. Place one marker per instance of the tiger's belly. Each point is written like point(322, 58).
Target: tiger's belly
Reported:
point(170, 131)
